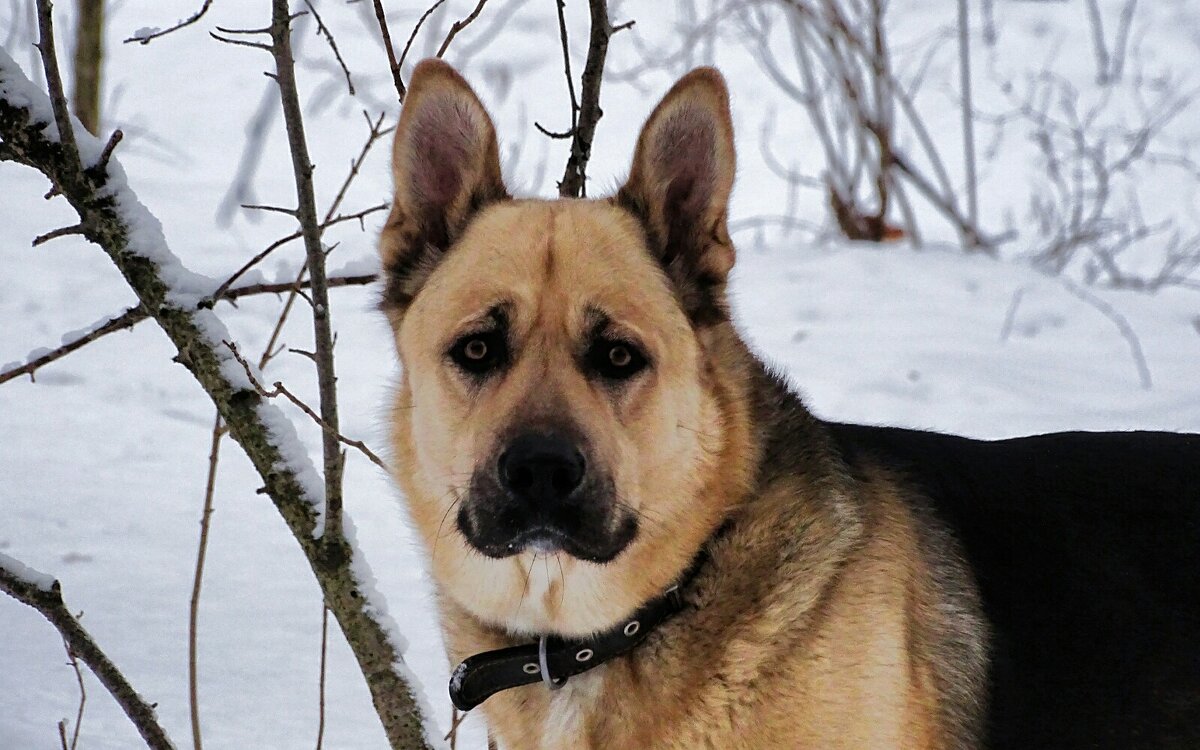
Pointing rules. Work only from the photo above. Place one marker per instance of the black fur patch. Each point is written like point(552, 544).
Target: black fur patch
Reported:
point(1086, 550)
point(422, 244)
point(700, 294)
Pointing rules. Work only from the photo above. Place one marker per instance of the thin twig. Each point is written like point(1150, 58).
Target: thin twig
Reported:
point(241, 43)
point(265, 252)
point(331, 282)
point(73, 660)
point(214, 454)
point(271, 209)
point(149, 37)
point(416, 30)
point(279, 389)
point(54, 84)
point(1122, 324)
point(566, 52)
point(324, 31)
point(1010, 317)
point(49, 603)
point(393, 64)
point(101, 165)
point(456, 719)
point(125, 320)
point(375, 132)
point(321, 677)
point(42, 239)
point(306, 214)
point(574, 181)
point(135, 315)
point(458, 26)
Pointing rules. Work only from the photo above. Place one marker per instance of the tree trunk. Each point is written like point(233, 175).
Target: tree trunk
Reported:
point(89, 57)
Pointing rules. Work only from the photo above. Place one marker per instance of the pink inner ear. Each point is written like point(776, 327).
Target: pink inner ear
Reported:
point(684, 156)
point(442, 140)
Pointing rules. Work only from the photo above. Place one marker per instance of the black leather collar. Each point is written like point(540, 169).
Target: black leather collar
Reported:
point(553, 660)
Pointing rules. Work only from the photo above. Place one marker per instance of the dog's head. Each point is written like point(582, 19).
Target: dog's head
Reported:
point(562, 393)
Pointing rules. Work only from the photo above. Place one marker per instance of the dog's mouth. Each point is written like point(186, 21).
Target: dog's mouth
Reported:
point(501, 532)
point(540, 493)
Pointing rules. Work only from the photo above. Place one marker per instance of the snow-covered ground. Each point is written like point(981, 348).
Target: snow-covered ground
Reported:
point(103, 458)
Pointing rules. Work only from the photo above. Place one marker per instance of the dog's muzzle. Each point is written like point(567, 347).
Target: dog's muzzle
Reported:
point(540, 494)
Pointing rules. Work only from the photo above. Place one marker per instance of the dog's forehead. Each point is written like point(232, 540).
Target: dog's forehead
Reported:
point(568, 256)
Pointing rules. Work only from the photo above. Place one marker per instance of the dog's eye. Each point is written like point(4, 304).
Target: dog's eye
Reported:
point(615, 360)
point(480, 353)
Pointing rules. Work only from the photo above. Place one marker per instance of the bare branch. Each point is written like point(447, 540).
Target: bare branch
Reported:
point(458, 26)
point(263, 254)
point(241, 42)
point(58, 99)
point(375, 132)
point(128, 319)
point(1122, 324)
point(324, 31)
point(332, 282)
point(416, 30)
point(101, 165)
point(214, 454)
point(968, 112)
point(151, 36)
point(42, 239)
point(73, 660)
point(272, 209)
point(321, 676)
point(393, 63)
point(278, 389)
point(574, 181)
point(306, 213)
point(49, 602)
point(142, 257)
point(135, 315)
point(566, 53)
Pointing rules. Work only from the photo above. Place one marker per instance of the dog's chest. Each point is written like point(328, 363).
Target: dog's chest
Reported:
point(564, 722)
point(556, 720)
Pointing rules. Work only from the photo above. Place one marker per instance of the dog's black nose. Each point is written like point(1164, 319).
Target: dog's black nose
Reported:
point(541, 467)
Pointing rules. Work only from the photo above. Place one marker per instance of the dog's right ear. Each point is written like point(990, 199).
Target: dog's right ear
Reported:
point(446, 167)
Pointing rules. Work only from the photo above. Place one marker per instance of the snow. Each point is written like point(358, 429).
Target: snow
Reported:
point(15, 87)
point(295, 457)
point(376, 605)
point(145, 32)
point(367, 264)
point(103, 481)
point(26, 574)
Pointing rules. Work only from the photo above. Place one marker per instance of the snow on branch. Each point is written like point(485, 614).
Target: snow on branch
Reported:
point(43, 593)
point(111, 216)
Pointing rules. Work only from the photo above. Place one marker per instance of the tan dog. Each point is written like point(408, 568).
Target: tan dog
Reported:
point(579, 427)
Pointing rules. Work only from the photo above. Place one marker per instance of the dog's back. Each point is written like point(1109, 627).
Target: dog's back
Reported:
point(1086, 551)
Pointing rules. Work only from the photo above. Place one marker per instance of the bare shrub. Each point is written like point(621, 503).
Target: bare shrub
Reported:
point(1088, 209)
point(842, 76)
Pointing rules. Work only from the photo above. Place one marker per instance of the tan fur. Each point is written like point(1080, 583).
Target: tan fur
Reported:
point(819, 619)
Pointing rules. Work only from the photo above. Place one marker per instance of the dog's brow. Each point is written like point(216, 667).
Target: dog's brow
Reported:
point(596, 321)
point(495, 317)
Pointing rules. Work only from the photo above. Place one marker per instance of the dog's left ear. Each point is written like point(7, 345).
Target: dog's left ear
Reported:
point(446, 167)
point(679, 188)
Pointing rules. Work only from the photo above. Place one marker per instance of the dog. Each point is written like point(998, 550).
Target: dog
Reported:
point(639, 535)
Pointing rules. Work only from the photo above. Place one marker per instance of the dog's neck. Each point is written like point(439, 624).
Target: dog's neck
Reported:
point(763, 494)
